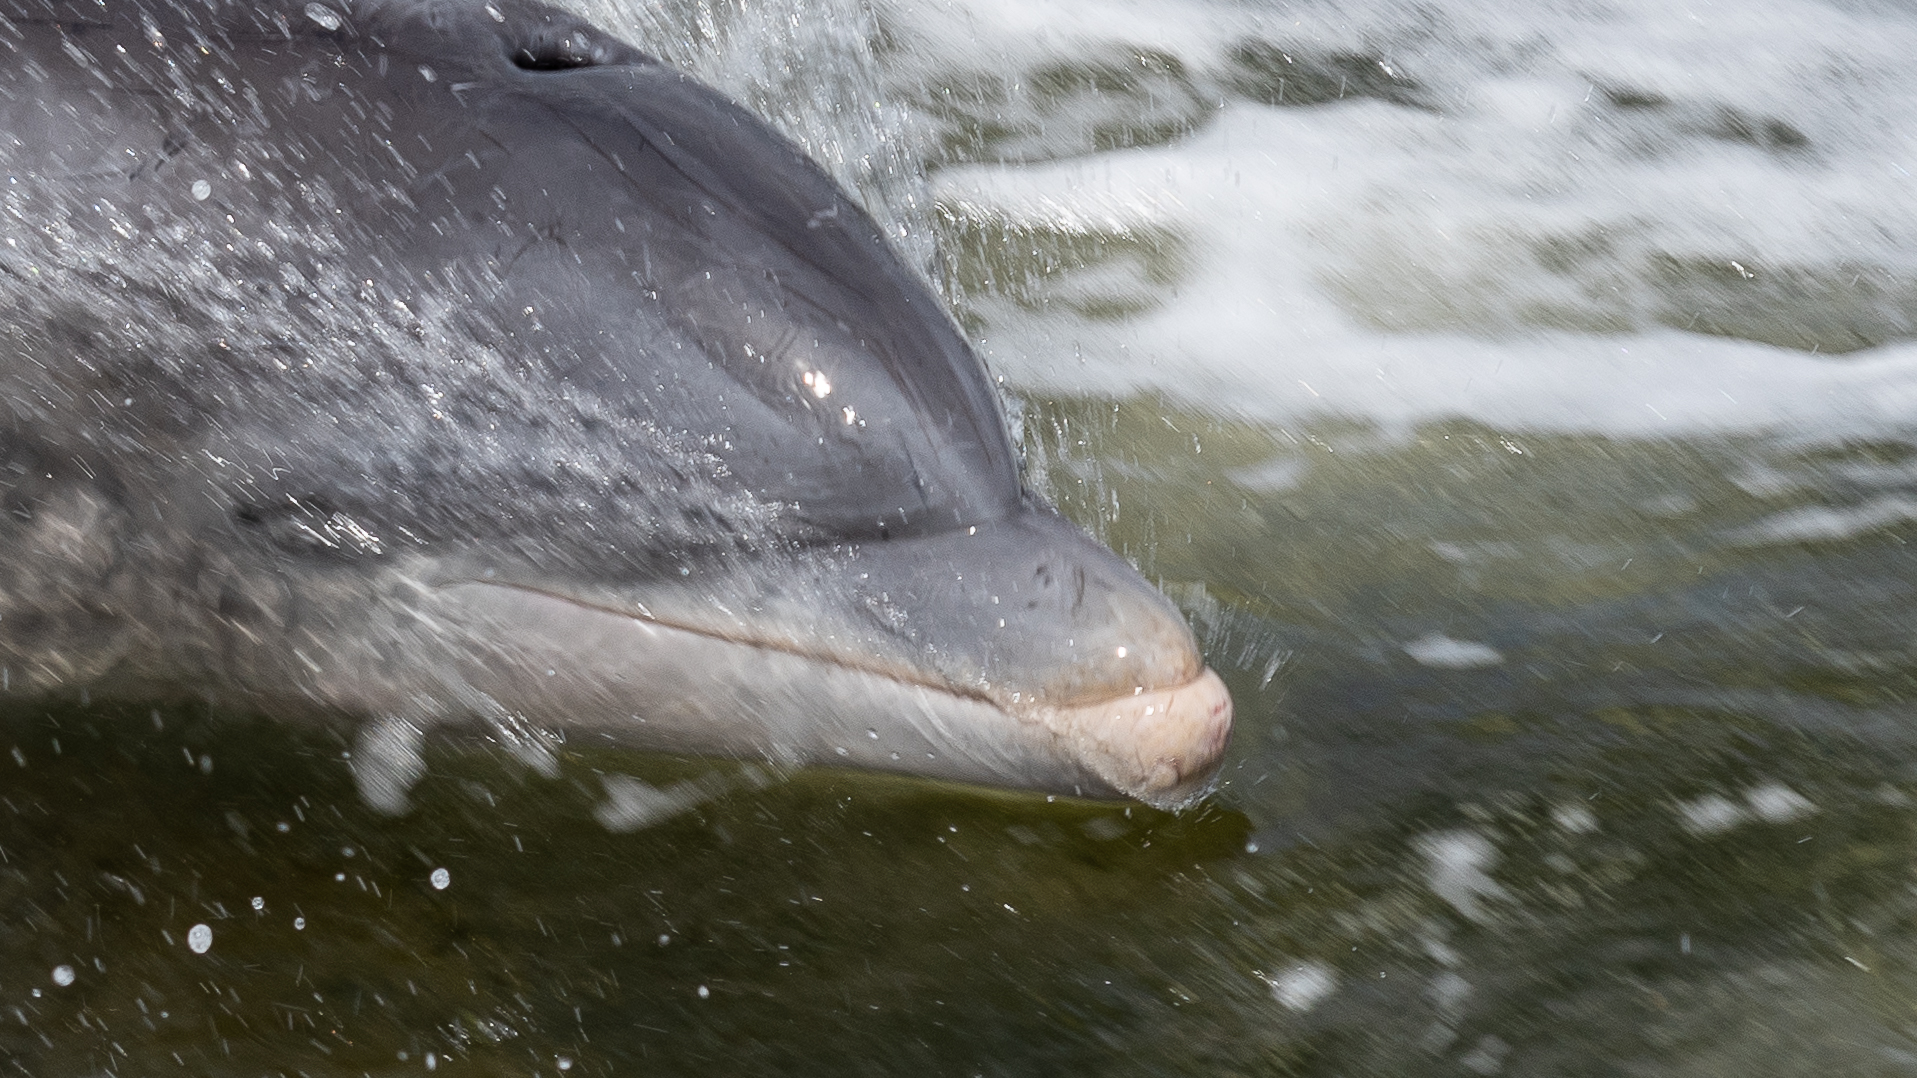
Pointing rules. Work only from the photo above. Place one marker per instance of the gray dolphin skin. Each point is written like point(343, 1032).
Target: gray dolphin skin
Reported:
point(421, 363)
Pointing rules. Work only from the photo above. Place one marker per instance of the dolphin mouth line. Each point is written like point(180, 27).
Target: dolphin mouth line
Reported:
point(1161, 745)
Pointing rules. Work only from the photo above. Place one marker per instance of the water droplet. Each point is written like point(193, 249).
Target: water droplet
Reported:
point(704, 992)
point(199, 939)
point(299, 924)
point(442, 879)
point(202, 190)
point(259, 903)
point(325, 16)
point(62, 976)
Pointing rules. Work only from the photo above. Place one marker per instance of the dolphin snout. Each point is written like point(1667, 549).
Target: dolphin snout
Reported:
point(1161, 746)
point(1047, 624)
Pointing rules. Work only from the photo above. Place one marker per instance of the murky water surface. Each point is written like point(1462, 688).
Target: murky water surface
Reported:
point(1560, 573)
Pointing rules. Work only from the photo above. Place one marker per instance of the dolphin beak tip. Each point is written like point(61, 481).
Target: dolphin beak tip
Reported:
point(1162, 746)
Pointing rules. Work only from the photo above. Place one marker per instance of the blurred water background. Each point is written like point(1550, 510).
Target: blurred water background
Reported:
point(1519, 398)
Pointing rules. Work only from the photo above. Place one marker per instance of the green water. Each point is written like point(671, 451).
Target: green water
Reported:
point(1664, 827)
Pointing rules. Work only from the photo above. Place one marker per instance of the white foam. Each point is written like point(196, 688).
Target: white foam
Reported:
point(1449, 992)
point(1774, 802)
point(1441, 651)
point(632, 805)
point(1307, 225)
point(1822, 523)
point(1769, 802)
point(1457, 870)
point(1574, 818)
point(1711, 814)
point(1254, 330)
point(1303, 986)
point(1271, 477)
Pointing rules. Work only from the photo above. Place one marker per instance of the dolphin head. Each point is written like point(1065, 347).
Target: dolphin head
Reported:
point(424, 360)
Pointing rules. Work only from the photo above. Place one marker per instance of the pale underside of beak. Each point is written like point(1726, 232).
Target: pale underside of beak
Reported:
point(649, 685)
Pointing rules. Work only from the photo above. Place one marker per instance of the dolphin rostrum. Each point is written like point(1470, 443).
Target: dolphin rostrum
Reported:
point(431, 361)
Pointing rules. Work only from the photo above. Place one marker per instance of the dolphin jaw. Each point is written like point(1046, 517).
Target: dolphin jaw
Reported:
point(555, 655)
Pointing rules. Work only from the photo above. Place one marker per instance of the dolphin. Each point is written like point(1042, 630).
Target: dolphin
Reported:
point(419, 363)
